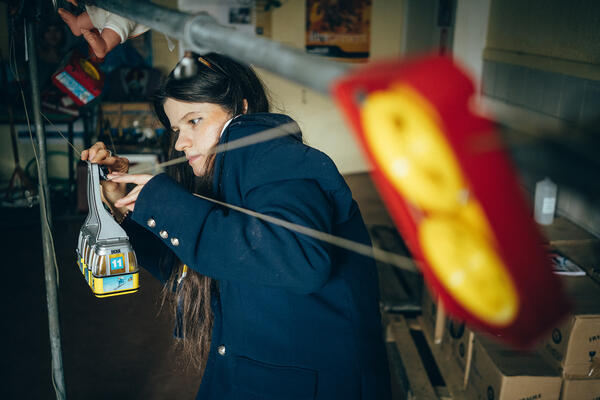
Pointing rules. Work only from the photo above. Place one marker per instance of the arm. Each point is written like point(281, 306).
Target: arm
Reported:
point(149, 250)
point(228, 245)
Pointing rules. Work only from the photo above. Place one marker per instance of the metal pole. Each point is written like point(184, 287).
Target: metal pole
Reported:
point(45, 219)
point(71, 161)
point(201, 32)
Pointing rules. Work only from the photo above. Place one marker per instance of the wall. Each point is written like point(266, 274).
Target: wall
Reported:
point(554, 69)
point(551, 35)
point(318, 116)
point(469, 36)
point(164, 59)
point(538, 63)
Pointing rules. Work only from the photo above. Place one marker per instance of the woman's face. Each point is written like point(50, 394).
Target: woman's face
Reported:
point(198, 126)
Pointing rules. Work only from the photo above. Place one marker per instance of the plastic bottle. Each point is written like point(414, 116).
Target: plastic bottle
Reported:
point(545, 201)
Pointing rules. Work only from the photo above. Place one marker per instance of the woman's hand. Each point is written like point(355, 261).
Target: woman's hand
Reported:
point(111, 191)
point(129, 200)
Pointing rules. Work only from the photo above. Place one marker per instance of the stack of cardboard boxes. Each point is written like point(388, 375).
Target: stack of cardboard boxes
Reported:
point(574, 346)
point(565, 366)
point(489, 370)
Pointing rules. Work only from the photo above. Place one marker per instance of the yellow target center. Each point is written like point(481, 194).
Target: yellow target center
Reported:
point(404, 133)
point(401, 129)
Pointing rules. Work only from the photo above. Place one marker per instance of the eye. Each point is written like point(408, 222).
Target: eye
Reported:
point(194, 121)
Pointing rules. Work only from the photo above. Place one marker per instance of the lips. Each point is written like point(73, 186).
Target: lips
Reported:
point(191, 159)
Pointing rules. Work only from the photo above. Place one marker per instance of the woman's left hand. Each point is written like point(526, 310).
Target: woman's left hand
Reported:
point(129, 200)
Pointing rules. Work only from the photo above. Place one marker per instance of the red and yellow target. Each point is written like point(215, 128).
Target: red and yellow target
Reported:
point(457, 205)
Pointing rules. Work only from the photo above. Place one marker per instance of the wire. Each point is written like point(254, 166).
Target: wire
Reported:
point(42, 193)
point(262, 136)
point(61, 134)
point(378, 254)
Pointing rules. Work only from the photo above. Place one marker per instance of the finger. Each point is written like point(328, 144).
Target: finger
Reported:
point(130, 207)
point(126, 178)
point(115, 164)
point(110, 186)
point(94, 149)
point(121, 165)
point(101, 155)
point(130, 198)
point(84, 155)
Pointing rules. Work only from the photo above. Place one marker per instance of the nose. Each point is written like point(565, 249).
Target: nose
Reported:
point(183, 140)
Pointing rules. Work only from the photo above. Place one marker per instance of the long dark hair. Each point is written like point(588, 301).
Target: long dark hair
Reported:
point(225, 82)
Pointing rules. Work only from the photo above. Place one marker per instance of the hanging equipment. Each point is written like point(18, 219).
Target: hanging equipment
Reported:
point(104, 254)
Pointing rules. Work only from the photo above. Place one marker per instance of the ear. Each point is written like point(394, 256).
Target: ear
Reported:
point(245, 106)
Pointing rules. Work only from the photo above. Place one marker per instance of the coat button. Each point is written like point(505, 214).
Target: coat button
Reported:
point(164, 234)
point(221, 350)
point(151, 223)
point(175, 242)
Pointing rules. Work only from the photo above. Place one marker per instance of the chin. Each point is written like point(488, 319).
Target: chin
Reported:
point(199, 170)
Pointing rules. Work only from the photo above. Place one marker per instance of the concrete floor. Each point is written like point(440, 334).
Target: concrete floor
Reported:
point(113, 348)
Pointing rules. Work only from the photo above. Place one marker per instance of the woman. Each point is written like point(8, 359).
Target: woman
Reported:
point(282, 315)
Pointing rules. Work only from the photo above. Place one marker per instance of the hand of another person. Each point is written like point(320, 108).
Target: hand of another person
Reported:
point(111, 191)
point(129, 200)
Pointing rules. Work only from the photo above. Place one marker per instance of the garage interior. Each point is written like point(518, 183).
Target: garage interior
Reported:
point(535, 67)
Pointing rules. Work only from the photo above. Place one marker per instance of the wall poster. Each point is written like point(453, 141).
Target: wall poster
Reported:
point(339, 28)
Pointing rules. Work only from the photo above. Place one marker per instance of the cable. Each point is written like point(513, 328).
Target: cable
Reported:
point(262, 136)
point(61, 134)
point(378, 254)
point(42, 193)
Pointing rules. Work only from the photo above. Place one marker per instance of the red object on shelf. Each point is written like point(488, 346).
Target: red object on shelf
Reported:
point(443, 92)
point(80, 79)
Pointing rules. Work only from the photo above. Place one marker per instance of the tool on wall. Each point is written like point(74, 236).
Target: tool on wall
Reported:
point(104, 254)
point(80, 78)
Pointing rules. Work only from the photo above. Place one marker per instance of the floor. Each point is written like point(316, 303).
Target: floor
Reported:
point(113, 348)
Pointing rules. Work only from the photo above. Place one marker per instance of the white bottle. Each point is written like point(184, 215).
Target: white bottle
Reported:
point(545, 201)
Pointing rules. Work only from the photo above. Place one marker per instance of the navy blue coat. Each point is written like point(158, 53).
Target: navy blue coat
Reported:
point(296, 318)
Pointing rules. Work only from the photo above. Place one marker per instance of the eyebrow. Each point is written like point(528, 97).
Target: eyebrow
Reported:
point(173, 127)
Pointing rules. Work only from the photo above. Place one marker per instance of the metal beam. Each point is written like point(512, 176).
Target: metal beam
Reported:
point(45, 219)
point(201, 32)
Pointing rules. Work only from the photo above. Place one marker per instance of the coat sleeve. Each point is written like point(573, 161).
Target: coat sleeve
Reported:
point(229, 245)
point(149, 250)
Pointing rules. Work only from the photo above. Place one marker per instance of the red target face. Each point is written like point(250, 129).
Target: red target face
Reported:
point(453, 195)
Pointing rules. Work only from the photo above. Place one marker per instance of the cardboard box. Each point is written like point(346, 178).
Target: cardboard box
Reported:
point(574, 346)
point(458, 336)
point(499, 373)
point(428, 310)
point(455, 339)
point(587, 389)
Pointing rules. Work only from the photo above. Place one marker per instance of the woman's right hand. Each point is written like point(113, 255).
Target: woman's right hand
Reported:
point(111, 191)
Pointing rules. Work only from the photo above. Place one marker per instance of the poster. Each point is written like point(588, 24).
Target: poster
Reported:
point(339, 28)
